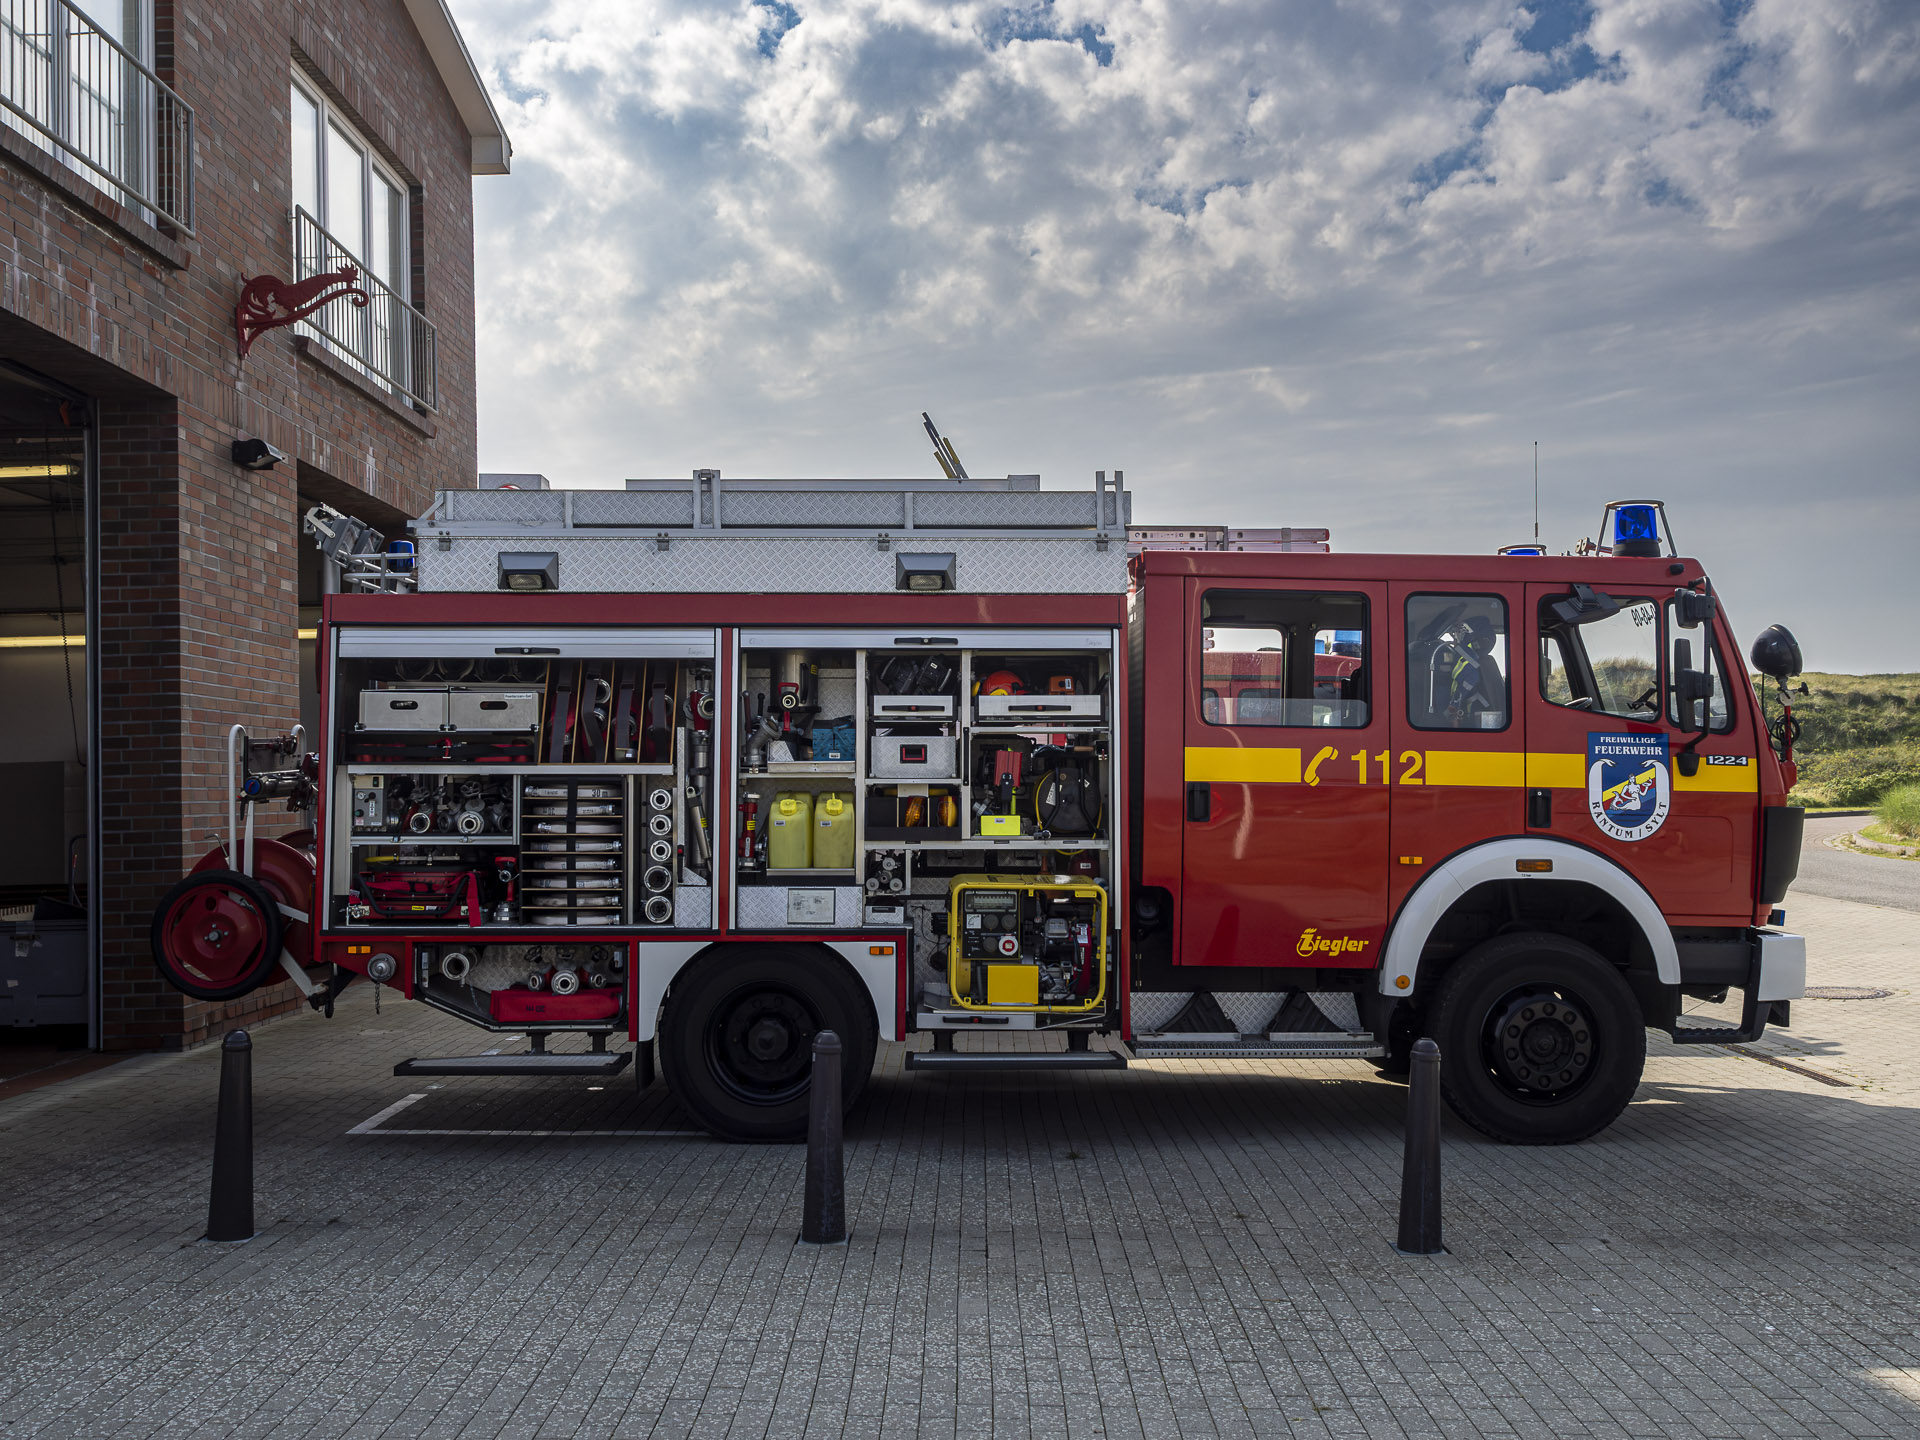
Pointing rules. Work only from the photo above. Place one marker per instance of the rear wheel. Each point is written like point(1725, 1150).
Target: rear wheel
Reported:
point(217, 935)
point(1541, 1040)
point(736, 1039)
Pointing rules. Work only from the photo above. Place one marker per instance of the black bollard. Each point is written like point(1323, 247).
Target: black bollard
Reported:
point(824, 1216)
point(1420, 1169)
point(230, 1212)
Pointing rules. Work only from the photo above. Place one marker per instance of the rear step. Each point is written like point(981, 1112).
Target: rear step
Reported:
point(1301, 1045)
point(1015, 1060)
point(592, 1062)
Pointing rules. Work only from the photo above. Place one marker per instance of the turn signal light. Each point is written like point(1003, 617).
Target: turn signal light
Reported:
point(1533, 867)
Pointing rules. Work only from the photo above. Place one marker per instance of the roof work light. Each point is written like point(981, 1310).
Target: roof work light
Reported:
point(530, 570)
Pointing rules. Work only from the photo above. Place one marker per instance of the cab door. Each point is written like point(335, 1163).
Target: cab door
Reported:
point(1459, 751)
point(1286, 769)
point(1606, 763)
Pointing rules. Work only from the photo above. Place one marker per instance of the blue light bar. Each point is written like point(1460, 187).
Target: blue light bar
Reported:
point(1636, 530)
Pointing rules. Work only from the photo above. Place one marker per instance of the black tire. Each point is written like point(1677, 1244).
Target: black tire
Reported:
point(736, 1038)
point(1541, 1040)
point(217, 935)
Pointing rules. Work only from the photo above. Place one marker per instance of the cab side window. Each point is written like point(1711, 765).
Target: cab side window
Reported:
point(1457, 673)
point(1284, 658)
point(1700, 653)
point(1607, 666)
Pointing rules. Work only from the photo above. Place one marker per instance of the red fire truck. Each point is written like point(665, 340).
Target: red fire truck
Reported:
point(721, 765)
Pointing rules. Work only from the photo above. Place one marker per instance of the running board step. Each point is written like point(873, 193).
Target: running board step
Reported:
point(1754, 1015)
point(1014, 1060)
point(1306, 1045)
point(594, 1062)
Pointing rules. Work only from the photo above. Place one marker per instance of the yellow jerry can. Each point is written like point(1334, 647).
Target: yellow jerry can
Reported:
point(790, 831)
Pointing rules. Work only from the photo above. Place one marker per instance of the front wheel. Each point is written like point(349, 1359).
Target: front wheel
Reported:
point(1541, 1040)
point(736, 1038)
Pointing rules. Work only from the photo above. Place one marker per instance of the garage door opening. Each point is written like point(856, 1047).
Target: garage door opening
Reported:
point(48, 948)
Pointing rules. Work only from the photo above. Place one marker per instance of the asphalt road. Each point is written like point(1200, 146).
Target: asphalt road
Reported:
point(1847, 875)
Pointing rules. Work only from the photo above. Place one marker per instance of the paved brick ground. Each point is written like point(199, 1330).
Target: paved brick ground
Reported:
point(1188, 1249)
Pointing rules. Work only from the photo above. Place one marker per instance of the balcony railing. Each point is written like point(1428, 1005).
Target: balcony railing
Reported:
point(387, 340)
point(76, 92)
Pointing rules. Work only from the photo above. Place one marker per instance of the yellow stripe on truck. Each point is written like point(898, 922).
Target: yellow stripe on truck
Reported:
point(1476, 767)
point(1223, 765)
point(1556, 772)
point(1491, 769)
point(1720, 779)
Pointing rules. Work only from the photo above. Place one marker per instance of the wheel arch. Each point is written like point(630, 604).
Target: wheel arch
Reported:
point(659, 962)
point(1463, 882)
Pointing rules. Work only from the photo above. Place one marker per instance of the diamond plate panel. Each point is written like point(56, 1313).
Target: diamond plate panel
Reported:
point(692, 907)
point(877, 510)
point(1249, 1010)
point(1154, 1008)
point(515, 507)
point(764, 907)
point(1008, 509)
point(634, 508)
point(714, 564)
point(1339, 1006)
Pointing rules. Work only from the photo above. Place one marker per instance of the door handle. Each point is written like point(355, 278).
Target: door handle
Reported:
point(1199, 802)
point(1540, 809)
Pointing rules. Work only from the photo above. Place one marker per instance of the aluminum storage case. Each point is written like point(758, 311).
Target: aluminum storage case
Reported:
point(1010, 708)
point(926, 708)
point(913, 757)
point(402, 709)
point(494, 707)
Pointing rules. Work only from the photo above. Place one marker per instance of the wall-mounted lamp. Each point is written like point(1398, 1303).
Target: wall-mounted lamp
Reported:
point(256, 455)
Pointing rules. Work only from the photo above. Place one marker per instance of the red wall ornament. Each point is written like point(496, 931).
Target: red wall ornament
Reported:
point(267, 302)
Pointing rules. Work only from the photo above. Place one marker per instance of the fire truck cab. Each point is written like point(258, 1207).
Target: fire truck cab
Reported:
point(722, 765)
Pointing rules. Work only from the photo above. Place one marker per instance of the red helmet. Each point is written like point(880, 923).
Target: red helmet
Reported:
point(1003, 682)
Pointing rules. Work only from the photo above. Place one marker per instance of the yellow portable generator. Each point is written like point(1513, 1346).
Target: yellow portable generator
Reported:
point(1020, 943)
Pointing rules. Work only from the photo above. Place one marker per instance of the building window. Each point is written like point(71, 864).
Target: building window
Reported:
point(350, 208)
point(76, 81)
point(339, 181)
point(1283, 658)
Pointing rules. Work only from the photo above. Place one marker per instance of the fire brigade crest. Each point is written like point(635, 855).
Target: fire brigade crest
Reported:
point(1629, 785)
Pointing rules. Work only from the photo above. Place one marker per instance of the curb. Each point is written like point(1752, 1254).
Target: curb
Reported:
point(1852, 841)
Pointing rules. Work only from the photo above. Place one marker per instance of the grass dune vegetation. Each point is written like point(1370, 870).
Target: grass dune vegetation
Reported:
point(1859, 736)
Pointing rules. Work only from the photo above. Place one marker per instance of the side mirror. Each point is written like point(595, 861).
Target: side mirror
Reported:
point(1776, 654)
point(1692, 690)
point(1692, 608)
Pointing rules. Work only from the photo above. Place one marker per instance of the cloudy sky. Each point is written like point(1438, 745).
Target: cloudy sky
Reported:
point(1283, 263)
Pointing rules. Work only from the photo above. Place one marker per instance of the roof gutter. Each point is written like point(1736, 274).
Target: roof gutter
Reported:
point(492, 150)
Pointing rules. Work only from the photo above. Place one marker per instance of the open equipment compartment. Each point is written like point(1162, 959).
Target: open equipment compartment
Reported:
point(529, 778)
point(951, 783)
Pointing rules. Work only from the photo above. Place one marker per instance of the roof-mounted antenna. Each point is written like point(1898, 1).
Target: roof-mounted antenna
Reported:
point(943, 451)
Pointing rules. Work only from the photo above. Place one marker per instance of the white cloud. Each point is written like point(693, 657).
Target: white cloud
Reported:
point(1282, 262)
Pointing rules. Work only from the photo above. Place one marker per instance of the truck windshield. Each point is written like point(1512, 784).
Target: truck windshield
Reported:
point(1608, 667)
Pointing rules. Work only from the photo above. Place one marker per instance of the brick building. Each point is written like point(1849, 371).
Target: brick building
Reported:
point(156, 155)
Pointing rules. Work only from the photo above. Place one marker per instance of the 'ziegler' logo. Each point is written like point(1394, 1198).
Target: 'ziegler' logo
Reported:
point(1312, 942)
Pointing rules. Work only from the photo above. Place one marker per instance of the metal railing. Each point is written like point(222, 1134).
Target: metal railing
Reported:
point(386, 339)
point(76, 92)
